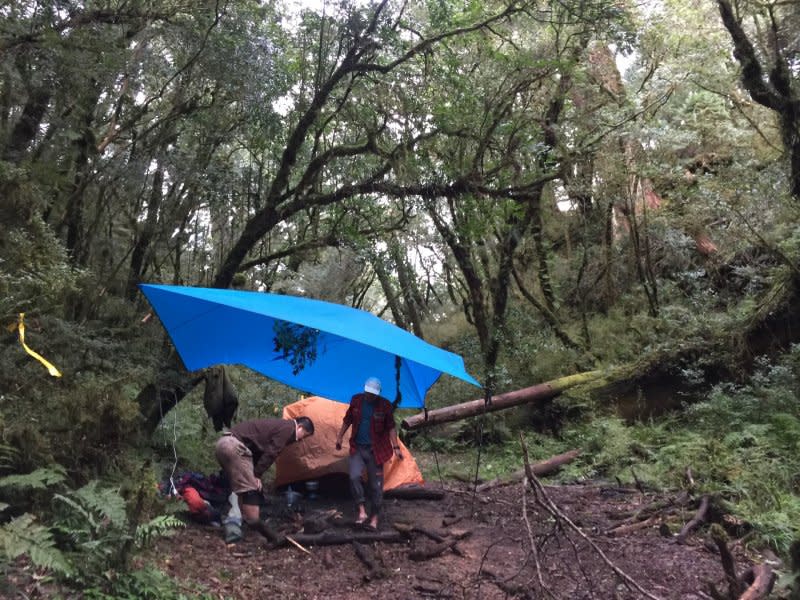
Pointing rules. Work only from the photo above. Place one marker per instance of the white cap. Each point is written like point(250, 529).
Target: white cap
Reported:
point(373, 386)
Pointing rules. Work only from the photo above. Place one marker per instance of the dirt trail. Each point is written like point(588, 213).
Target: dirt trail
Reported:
point(495, 561)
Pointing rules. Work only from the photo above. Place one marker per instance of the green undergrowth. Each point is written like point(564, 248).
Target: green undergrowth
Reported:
point(147, 584)
point(739, 442)
point(442, 455)
point(84, 536)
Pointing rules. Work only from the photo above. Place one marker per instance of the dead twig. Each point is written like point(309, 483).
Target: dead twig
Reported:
point(296, 545)
point(505, 584)
point(663, 506)
point(406, 529)
point(483, 569)
point(689, 478)
point(545, 502)
point(534, 548)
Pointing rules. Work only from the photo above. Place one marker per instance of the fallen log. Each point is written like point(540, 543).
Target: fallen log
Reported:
point(414, 492)
point(333, 538)
point(545, 467)
point(409, 529)
point(542, 391)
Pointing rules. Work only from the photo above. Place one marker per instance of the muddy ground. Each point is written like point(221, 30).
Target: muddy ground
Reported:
point(493, 561)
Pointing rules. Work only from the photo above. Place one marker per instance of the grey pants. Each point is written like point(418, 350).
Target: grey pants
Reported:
point(364, 458)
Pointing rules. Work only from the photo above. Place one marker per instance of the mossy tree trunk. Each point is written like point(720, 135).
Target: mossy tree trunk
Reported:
point(536, 393)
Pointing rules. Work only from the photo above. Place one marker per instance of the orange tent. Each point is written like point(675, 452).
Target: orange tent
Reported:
point(317, 456)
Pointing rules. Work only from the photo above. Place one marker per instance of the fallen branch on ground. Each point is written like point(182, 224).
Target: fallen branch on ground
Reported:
point(735, 587)
point(621, 530)
point(438, 549)
point(451, 520)
point(534, 547)
point(545, 467)
point(409, 529)
point(652, 509)
point(543, 500)
point(296, 545)
point(333, 538)
point(512, 589)
point(414, 492)
point(429, 533)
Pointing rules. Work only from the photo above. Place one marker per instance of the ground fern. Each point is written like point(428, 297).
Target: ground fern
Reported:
point(158, 527)
point(24, 535)
point(39, 479)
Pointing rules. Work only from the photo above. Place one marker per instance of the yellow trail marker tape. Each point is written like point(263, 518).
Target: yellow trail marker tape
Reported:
point(20, 326)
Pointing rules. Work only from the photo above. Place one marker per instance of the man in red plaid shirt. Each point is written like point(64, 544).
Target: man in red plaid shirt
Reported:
point(373, 441)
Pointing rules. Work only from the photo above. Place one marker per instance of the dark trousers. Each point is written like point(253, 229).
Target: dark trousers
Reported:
point(365, 459)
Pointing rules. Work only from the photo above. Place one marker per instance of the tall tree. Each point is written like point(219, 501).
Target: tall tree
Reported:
point(333, 149)
point(769, 66)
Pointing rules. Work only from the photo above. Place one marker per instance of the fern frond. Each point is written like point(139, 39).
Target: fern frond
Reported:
point(159, 526)
point(104, 501)
point(7, 456)
point(24, 536)
point(39, 479)
point(78, 508)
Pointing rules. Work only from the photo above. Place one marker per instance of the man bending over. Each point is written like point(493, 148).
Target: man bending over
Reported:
point(247, 451)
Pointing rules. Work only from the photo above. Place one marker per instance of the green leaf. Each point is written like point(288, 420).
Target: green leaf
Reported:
point(38, 480)
point(24, 536)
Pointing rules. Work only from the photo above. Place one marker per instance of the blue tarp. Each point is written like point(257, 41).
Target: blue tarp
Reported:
point(212, 326)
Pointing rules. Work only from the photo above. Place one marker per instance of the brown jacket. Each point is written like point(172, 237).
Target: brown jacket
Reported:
point(265, 438)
